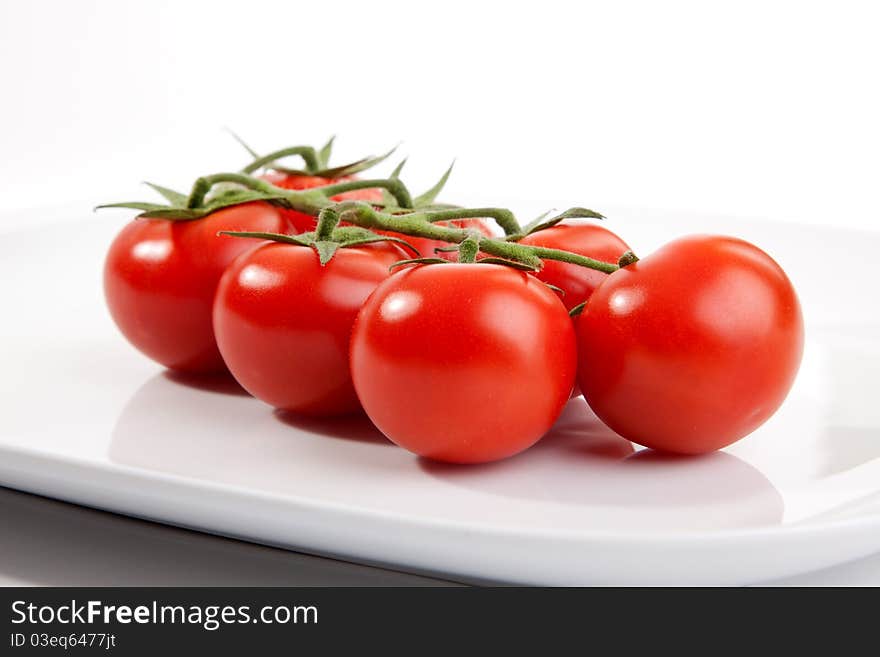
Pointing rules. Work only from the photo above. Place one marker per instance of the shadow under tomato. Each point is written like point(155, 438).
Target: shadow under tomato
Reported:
point(582, 462)
point(222, 383)
point(355, 426)
point(180, 423)
point(577, 434)
point(197, 433)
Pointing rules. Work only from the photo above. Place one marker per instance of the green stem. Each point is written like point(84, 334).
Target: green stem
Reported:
point(307, 201)
point(316, 202)
point(468, 249)
point(203, 185)
point(394, 186)
point(504, 218)
point(307, 153)
point(419, 224)
point(573, 258)
point(327, 222)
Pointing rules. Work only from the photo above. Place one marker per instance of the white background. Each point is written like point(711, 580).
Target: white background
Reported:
point(759, 109)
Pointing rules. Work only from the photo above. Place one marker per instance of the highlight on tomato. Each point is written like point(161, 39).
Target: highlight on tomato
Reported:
point(463, 362)
point(692, 347)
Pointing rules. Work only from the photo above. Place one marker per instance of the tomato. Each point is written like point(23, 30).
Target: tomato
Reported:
point(464, 363)
point(586, 239)
point(692, 347)
point(303, 223)
point(160, 277)
point(583, 238)
point(283, 322)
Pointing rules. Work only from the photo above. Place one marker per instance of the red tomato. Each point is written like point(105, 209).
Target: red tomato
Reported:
point(586, 239)
point(303, 223)
point(692, 347)
point(160, 277)
point(426, 246)
point(283, 322)
point(463, 363)
point(583, 238)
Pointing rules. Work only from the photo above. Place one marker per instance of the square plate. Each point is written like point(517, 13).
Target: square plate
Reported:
point(87, 419)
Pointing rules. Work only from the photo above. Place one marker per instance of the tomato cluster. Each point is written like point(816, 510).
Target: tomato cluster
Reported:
point(685, 350)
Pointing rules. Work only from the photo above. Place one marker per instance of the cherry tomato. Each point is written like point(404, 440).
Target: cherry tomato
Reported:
point(283, 322)
point(583, 238)
point(464, 363)
point(160, 277)
point(692, 347)
point(303, 223)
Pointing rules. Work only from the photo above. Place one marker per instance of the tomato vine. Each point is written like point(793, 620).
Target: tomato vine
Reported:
point(402, 217)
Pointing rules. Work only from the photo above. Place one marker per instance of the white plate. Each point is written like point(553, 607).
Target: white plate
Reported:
point(87, 419)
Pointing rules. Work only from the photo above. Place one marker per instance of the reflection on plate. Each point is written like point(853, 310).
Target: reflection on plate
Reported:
point(582, 462)
point(172, 425)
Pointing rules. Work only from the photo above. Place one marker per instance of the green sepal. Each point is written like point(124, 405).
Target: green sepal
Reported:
point(323, 157)
point(382, 238)
point(423, 202)
point(577, 310)
point(522, 266)
point(326, 250)
point(387, 198)
point(338, 172)
point(356, 235)
point(174, 198)
point(275, 237)
point(174, 212)
point(344, 237)
point(290, 172)
point(420, 261)
point(398, 168)
point(244, 145)
point(541, 223)
point(134, 205)
point(427, 198)
point(324, 153)
point(528, 227)
point(555, 288)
